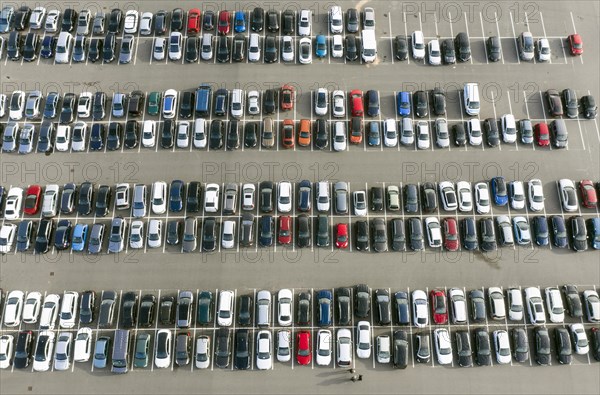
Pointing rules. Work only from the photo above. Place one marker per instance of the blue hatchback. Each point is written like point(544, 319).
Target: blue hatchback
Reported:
point(499, 191)
point(79, 237)
point(324, 299)
point(321, 46)
point(239, 22)
point(403, 103)
point(374, 133)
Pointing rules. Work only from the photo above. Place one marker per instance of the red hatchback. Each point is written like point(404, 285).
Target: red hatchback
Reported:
point(542, 135)
point(439, 309)
point(450, 234)
point(576, 44)
point(287, 97)
point(588, 193)
point(224, 24)
point(356, 99)
point(303, 351)
point(341, 240)
point(32, 199)
point(285, 230)
point(193, 21)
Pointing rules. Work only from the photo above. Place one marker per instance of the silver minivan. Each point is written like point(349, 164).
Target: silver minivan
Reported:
point(138, 208)
point(263, 308)
point(341, 197)
point(407, 134)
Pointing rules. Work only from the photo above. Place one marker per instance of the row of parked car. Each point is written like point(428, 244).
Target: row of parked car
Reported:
point(251, 313)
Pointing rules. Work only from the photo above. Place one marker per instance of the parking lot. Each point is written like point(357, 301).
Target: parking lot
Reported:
point(508, 86)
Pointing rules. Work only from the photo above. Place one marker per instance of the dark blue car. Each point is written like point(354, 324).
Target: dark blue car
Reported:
point(239, 22)
point(176, 196)
point(559, 231)
point(97, 137)
point(266, 235)
point(325, 300)
point(540, 230)
point(499, 191)
point(594, 232)
point(304, 193)
point(403, 104)
point(48, 45)
point(374, 135)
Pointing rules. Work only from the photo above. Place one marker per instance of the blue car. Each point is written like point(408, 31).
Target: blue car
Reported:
point(594, 232)
point(325, 300)
point(499, 191)
point(304, 195)
point(239, 22)
point(321, 46)
point(48, 45)
point(79, 237)
point(403, 103)
point(176, 196)
point(540, 230)
point(559, 231)
point(97, 137)
point(374, 133)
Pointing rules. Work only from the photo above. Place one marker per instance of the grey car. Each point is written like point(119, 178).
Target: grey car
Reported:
point(96, 237)
point(116, 240)
point(26, 139)
point(341, 197)
point(379, 233)
point(9, 140)
point(126, 52)
point(184, 309)
point(189, 235)
point(230, 198)
point(416, 234)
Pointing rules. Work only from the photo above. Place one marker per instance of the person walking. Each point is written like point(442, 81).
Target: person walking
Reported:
point(354, 378)
point(360, 377)
point(352, 371)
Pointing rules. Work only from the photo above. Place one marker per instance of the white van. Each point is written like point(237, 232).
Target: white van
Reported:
point(199, 133)
point(263, 308)
point(369, 46)
point(237, 103)
point(471, 98)
point(323, 196)
point(159, 197)
point(228, 236)
point(225, 312)
point(49, 204)
point(63, 47)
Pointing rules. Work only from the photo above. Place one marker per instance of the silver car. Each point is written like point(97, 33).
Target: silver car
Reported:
point(116, 240)
point(9, 139)
point(126, 49)
point(26, 139)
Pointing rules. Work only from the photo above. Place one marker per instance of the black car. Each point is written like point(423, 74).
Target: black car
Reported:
point(483, 350)
point(401, 47)
point(250, 134)
point(62, 236)
point(376, 198)
point(542, 346)
point(132, 131)
point(288, 23)
point(266, 228)
point(270, 101)
point(21, 18)
point(176, 196)
point(304, 237)
point(438, 100)
point(400, 349)
point(398, 234)
point(304, 307)
point(245, 310)
point(494, 48)
point(460, 136)
point(520, 344)
point(469, 234)
point(113, 140)
point(233, 135)
point(193, 197)
point(222, 49)
point(25, 232)
point(69, 20)
point(114, 21)
point(266, 189)
point(222, 348)
point(238, 47)
point(351, 47)
point(463, 349)
point(129, 309)
point(43, 236)
point(23, 349)
point(344, 301)
point(242, 349)
point(579, 238)
point(428, 197)
point(463, 47)
point(270, 55)
point(490, 126)
point(135, 103)
point(186, 105)
point(215, 139)
point(31, 46)
point(177, 17)
point(420, 102)
point(67, 198)
point(147, 306)
point(382, 298)
point(564, 348)
point(97, 137)
point(362, 300)
point(191, 49)
point(173, 232)
point(272, 21)
point(167, 134)
point(574, 306)
point(555, 107)
point(160, 23)
point(95, 50)
point(209, 234)
point(568, 95)
point(415, 232)
point(166, 310)
point(488, 235)
point(448, 52)
point(362, 236)
point(402, 307)
point(352, 20)
point(87, 307)
point(68, 108)
point(372, 103)
point(257, 19)
point(205, 308)
point(589, 107)
point(103, 200)
point(108, 48)
point(477, 303)
point(595, 343)
point(84, 203)
point(321, 134)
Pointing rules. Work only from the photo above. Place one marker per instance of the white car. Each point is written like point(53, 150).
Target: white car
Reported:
point(443, 346)
point(458, 305)
point(359, 200)
point(79, 133)
point(199, 138)
point(339, 136)
point(482, 198)
point(592, 305)
point(149, 133)
point(554, 303)
point(2, 102)
point(434, 232)
point(423, 135)
point(509, 128)
point(146, 24)
point(63, 351)
point(169, 106)
point(254, 47)
point(323, 351)
point(83, 345)
point(84, 105)
point(305, 51)
point(337, 46)
point(253, 103)
point(159, 48)
point(52, 19)
point(338, 104)
point(130, 25)
point(162, 357)
point(420, 309)
point(37, 17)
point(418, 45)
point(43, 351)
point(535, 306)
point(517, 195)
point(228, 235)
point(14, 200)
point(225, 308)
point(287, 49)
point(183, 134)
point(13, 308)
point(336, 24)
point(474, 131)
point(155, 233)
point(568, 195)
point(175, 46)
point(7, 237)
point(390, 134)
point(502, 346)
point(264, 346)
point(68, 309)
point(284, 197)
point(363, 339)
point(202, 352)
point(304, 23)
point(442, 135)
point(32, 307)
point(237, 103)
point(463, 192)
point(543, 50)
point(580, 340)
point(284, 350)
point(49, 311)
point(435, 55)
point(211, 198)
point(63, 138)
point(344, 348)
point(16, 106)
point(321, 99)
point(248, 191)
point(369, 19)
point(448, 198)
point(284, 307)
point(159, 197)
point(6, 350)
point(322, 196)
point(383, 349)
point(515, 304)
point(536, 195)
point(136, 235)
point(122, 196)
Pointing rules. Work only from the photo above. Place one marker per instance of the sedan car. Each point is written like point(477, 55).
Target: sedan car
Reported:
point(443, 346)
point(420, 309)
point(568, 195)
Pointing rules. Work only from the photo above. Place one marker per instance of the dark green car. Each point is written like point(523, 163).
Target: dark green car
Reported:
point(154, 103)
point(142, 345)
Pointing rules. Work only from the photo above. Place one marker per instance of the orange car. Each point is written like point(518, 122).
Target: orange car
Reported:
point(287, 133)
point(304, 133)
point(356, 130)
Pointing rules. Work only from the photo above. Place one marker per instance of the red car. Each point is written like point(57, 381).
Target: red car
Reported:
point(32, 200)
point(450, 234)
point(285, 229)
point(224, 25)
point(439, 309)
point(287, 133)
point(542, 134)
point(341, 240)
point(303, 351)
point(576, 44)
point(193, 21)
point(356, 97)
point(287, 97)
point(588, 193)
